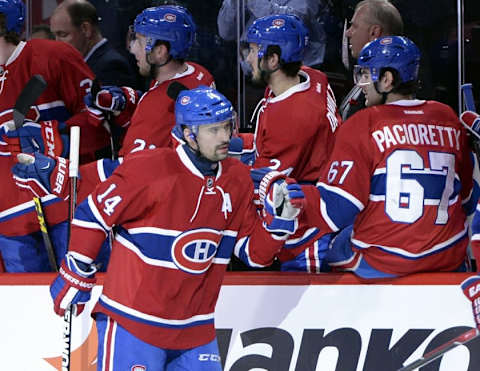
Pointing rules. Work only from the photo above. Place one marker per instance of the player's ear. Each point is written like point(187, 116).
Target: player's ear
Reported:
point(388, 81)
point(273, 61)
point(159, 54)
point(189, 137)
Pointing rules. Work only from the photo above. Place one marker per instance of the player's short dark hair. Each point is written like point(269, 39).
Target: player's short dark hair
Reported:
point(403, 88)
point(83, 11)
point(10, 36)
point(290, 69)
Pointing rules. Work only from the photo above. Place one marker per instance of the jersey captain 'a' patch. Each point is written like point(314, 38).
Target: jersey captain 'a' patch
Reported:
point(193, 251)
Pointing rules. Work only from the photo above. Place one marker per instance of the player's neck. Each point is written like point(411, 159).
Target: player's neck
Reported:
point(169, 70)
point(393, 97)
point(280, 83)
point(6, 50)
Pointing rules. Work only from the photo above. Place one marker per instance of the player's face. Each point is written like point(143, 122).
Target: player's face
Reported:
point(137, 48)
point(359, 31)
point(364, 80)
point(63, 29)
point(213, 139)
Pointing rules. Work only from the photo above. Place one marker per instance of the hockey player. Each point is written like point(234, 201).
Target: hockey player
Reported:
point(400, 172)
point(60, 106)
point(163, 37)
point(297, 118)
point(181, 214)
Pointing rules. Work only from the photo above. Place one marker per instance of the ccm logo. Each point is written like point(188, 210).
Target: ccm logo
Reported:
point(50, 139)
point(209, 357)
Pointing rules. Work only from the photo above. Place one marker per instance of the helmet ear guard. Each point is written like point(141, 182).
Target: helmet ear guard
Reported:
point(14, 11)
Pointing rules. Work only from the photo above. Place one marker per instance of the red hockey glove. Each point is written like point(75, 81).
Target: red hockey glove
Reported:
point(73, 285)
point(471, 289)
point(43, 136)
point(42, 175)
point(282, 199)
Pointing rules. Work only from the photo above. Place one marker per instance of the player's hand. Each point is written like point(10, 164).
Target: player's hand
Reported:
point(73, 285)
point(282, 199)
point(236, 149)
point(122, 101)
point(42, 175)
point(471, 289)
point(472, 120)
point(109, 98)
point(44, 136)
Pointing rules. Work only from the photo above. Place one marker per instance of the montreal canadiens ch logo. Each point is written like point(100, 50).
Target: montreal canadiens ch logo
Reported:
point(386, 41)
point(169, 17)
point(138, 368)
point(193, 251)
point(279, 22)
point(185, 100)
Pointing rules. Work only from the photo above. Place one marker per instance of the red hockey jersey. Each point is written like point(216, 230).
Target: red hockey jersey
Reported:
point(295, 130)
point(177, 232)
point(399, 173)
point(154, 116)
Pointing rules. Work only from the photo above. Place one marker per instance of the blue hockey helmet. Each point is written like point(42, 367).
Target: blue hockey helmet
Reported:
point(285, 30)
point(396, 52)
point(201, 106)
point(167, 23)
point(14, 11)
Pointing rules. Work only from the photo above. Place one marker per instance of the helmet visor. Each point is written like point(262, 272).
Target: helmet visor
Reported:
point(362, 75)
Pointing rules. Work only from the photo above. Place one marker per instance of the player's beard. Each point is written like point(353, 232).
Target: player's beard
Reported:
point(260, 77)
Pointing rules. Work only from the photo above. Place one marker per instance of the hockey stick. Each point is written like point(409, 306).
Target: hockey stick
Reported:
point(96, 87)
point(30, 93)
point(73, 174)
point(46, 238)
point(468, 96)
point(431, 356)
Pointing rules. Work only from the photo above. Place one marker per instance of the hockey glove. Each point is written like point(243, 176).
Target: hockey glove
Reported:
point(282, 199)
point(44, 137)
point(471, 289)
point(472, 120)
point(237, 149)
point(73, 285)
point(42, 175)
point(122, 101)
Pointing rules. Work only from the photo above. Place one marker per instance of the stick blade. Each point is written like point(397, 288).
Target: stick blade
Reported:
point(30, 93)
point(431, 356)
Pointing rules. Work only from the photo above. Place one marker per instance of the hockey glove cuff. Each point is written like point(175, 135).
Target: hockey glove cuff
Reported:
point(283, 200)
point(73, 285)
